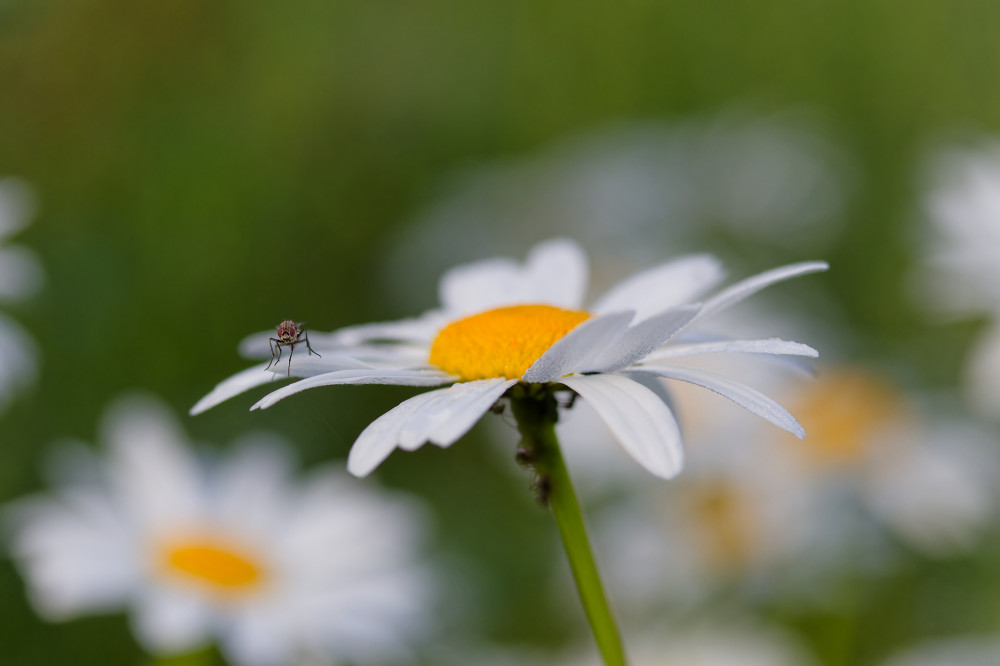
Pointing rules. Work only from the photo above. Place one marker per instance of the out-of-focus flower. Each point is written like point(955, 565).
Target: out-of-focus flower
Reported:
point(632, 190)
point(235, 551)
point(502, 324)
point(928, 477)
point(970, 651)
point(778, 516)
point(20, 277)
point(749, 645)
point(961, 246)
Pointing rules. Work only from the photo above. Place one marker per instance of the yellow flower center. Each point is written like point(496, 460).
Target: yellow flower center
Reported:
point(504, 342)
point(842, 412)
point(210, 563)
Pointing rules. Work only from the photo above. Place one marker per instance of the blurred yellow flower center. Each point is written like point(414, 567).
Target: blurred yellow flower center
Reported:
point(217, 564)
point(503, 342)
point(842, 412)
point(727, 524)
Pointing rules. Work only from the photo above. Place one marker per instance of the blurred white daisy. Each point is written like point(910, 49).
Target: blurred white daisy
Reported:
point(927, 477)
point(632, 189)
point(772, 516)
point(20, 278)
point(961, 250)
point(711, 645)
point(966, 651)
point(502, 323)
point(238, 552)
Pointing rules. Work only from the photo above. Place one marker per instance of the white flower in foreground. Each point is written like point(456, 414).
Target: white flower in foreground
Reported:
point(502, 323)
point(237, 552)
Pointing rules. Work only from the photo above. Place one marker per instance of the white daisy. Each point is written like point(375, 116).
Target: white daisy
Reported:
point(235, 552)
point(927, 476)
point(502, 323)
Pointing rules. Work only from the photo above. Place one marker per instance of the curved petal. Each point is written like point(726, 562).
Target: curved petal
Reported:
point(233, 386)
point(579, 347)
point(365, 376)
point(741, 394)
point(745, 288)
point(643, 338)
point(453, 412)
point(420, 329)
point(639, 420)
point(303, 365)
point(775, 346)
point(379, 439)
point(668, 285)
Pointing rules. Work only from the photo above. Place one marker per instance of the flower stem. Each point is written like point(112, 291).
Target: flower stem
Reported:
point(536, 411)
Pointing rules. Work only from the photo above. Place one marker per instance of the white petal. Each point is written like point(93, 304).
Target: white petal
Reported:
point(420, 329)
point(639, 420)
point(169, 621)
point(233, 386)
point(343, 377)
point(556, 274)
point(263, 635)
point(379, 439)
point(658, 386)
point(668, 285)
point(579, 347)
point(766, 346)
point(457, 410)
point(745, 288)
point(642, 339)
point(18, 364)
point(479, 286)
point(159, 481)
point(76, 552)
point(741, 394)
point(251, 486)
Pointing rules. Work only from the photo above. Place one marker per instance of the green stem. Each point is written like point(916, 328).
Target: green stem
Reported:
point(536, 411)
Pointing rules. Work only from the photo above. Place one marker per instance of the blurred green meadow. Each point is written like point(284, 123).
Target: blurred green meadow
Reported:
point(202, 171)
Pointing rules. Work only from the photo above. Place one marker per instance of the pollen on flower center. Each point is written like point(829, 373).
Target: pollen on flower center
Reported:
point(213, 563)
point(503, 342)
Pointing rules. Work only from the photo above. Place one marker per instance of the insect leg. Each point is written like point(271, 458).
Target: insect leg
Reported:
point(291, 350)
point(309, 347)
point(270, 342)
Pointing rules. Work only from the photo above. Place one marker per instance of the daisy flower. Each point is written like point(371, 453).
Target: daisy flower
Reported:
point(238, 552)
point(502, 324)
point(779, 517)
